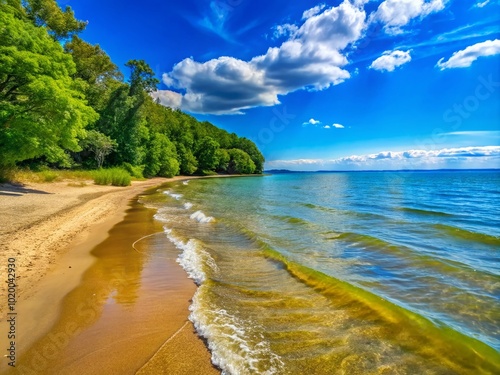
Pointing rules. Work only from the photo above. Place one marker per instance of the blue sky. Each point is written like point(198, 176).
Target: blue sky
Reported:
point(357, 84)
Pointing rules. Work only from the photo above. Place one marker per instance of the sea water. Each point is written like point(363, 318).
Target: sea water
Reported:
point(342, 273)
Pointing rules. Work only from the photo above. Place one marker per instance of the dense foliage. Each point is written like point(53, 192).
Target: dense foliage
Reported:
point(64, 103)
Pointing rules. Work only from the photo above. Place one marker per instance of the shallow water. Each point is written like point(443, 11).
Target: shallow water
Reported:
point(348, 273)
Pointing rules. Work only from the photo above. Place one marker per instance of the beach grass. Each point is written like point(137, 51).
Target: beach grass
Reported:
point(112, 176)
point(26, 175)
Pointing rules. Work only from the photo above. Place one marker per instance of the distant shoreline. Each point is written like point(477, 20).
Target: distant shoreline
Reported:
point(285, 171)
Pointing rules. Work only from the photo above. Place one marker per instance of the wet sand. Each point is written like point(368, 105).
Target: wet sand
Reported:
point(119, 310)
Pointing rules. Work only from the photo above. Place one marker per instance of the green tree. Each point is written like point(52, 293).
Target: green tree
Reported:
point(251, 149)
point(206, 154)
point(161, 158)
point(42, 109)
point(94, 67)
point(123, 119)
point(99, 144)
point(187, 161)
point(142, 77)
point(60, 24)
point(240, 162)
point(223, 160)
point(126, 115)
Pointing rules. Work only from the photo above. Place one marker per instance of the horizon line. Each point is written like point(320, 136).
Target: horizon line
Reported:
point(381, 170)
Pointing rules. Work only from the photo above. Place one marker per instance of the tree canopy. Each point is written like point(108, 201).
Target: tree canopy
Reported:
point(60, 24)
point(64, 102)
point(42, 109)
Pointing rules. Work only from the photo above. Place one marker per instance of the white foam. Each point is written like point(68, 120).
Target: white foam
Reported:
point(200, 217)
point(235, 348)
point(193, 257)
point(158, 216)
point(185, 182)
point(237, 345)
point(188, 205)
point(173, 195)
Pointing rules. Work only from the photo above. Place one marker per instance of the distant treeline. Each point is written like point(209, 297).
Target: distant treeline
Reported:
point(64, 104)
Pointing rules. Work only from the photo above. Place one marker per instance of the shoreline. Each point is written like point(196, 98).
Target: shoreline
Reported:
point(52, 248)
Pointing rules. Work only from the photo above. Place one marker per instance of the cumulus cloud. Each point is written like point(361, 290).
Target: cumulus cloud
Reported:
point(310, 59)
point(485, 156)
point(168, 98)
point(333, 126)
point(313, 11)
point(317, 122)
point(395, 14)
point(312, 122)
point(391, 60)
point(465, 57)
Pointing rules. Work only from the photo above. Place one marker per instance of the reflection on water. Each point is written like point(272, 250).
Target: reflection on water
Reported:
point(127, 304)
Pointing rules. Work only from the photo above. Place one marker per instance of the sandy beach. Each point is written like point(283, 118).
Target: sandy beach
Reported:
point(70, 242)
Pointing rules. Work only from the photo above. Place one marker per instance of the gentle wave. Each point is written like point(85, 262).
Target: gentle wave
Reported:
point(349, 213)
point(402, 325)
point(187, 205)
point(291, 220)
point(193, 257)
point(231, 340)
point(418, 259)
point(468, 235)
point(200, 217)
point(158, 216)
point(422, 212)
point(173, 195)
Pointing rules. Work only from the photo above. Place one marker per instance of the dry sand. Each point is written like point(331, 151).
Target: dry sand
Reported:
point(50, 230)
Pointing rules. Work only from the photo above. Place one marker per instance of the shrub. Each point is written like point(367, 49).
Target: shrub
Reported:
point(134, 170)
point(48, 176)
point(113, 176)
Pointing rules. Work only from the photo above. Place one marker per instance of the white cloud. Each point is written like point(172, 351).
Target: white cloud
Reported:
point(482, 4)
point(284, 30)
point(465, 57)
point(310, 59)
point(317, 122)
point(460, 157)
point(391, 60)
point(312, 122)
point(168, 98)
point(476, 133)
point(313, 11)
point(395, 14)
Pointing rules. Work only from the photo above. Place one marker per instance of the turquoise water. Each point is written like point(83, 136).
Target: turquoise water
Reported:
point(348, 273)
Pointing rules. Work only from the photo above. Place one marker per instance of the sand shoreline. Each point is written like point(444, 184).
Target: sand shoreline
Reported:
point(49, 228)
point(39, 220)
